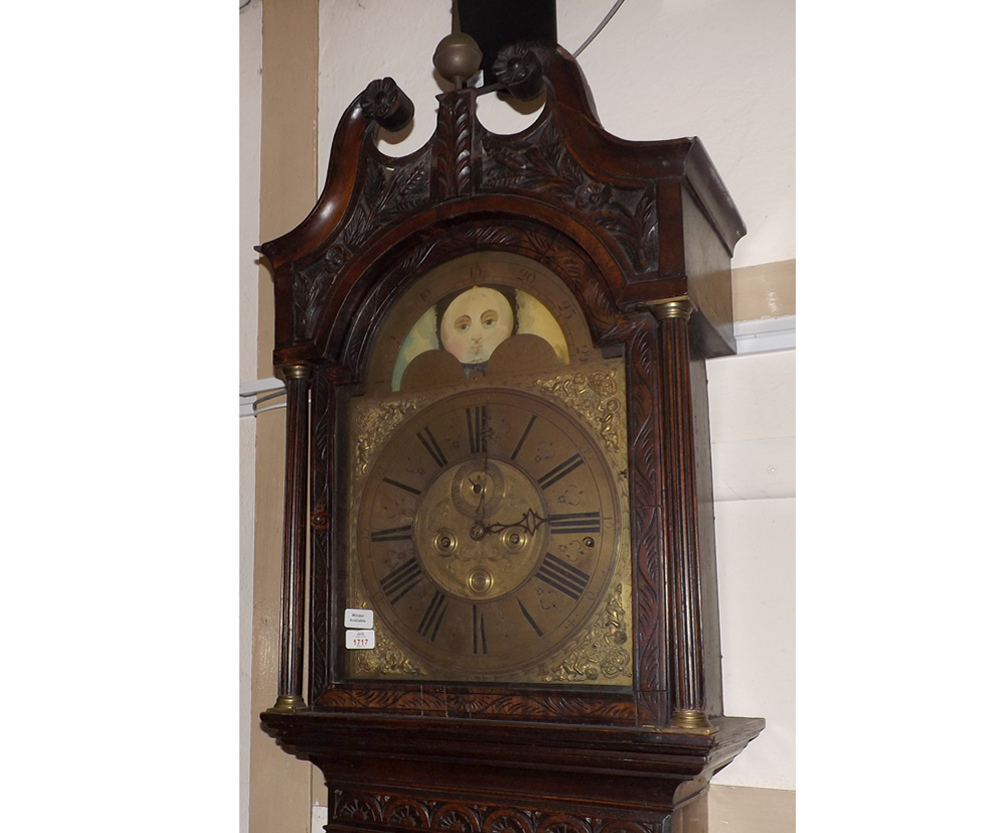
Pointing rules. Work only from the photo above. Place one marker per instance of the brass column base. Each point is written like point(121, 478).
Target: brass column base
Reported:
point(692, 720)
point(288, 703)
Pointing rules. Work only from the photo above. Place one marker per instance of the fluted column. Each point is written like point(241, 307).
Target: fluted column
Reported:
point(293, 566)
point(683, 549)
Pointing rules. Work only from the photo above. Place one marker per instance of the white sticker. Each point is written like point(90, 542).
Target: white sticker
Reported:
point(360, 640)
point(359, 618)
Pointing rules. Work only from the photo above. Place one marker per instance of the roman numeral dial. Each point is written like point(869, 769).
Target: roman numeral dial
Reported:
point(488, 531)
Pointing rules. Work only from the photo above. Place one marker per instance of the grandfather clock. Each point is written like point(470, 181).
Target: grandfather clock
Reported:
point(499, 548)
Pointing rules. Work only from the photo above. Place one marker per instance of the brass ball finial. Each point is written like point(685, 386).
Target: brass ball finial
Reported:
point(458, 57)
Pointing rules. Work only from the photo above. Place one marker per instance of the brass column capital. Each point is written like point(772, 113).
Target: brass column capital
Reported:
point(680, 307)
point(295, 371)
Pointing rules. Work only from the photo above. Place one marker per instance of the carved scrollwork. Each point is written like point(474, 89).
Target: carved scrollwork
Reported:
point(384, 102)
point(519, 70)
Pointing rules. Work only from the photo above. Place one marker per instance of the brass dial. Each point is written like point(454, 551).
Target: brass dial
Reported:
point(487, 534)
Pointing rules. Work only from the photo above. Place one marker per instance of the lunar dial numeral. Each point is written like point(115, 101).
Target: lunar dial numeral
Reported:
point(562, 576)
point(432, 616)
point(550, 478)
point(401, 580)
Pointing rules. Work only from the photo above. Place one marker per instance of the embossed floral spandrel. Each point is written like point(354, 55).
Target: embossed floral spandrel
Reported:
point(374, 423)
point(594, 396)
point(386, 660)
point(601, 653)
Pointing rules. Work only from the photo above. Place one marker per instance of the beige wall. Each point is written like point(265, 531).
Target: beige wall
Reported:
point(280, 786)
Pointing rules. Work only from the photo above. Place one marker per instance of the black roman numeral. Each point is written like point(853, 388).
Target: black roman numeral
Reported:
point(478, 631)
point(429, 625)
point(562, 576)
point(524, 436)
point(396, 533)
point(475, 419)
point(432, 447)
point(575, 522)
point(402, 486)
point(550, 478)
point(531, 621)
point(401, 580)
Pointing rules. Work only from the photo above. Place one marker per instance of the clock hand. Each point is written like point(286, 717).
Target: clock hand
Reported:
point(480, 489)
point(530, 522)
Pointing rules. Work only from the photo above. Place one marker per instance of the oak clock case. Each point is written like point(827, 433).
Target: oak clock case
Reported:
point(527, 520)
point(489, 498)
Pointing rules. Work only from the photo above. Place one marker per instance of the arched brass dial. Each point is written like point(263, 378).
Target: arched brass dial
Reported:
point(488, 532)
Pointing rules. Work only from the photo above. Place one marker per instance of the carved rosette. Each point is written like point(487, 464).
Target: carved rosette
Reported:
point(353, 808)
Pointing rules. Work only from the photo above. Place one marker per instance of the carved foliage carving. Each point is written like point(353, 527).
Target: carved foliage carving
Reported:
point(453, 145)
point(354, 808)
point(389, 189)
point(437, 700)
point(542, 707)
point(647, 528)
point(323, 421)
point(541, 163)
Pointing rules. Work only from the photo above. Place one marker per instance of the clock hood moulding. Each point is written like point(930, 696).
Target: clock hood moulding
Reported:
point(655, 216)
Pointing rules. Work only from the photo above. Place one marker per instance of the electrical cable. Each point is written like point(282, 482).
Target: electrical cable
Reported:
point(265, 398)
point(600, 26)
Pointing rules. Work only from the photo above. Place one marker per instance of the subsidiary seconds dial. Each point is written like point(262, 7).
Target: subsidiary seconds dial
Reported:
point(487, 534)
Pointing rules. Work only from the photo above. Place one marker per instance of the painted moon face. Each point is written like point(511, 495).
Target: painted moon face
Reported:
point(475, 323)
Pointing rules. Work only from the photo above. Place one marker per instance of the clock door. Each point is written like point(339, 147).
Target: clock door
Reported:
point(488, 514)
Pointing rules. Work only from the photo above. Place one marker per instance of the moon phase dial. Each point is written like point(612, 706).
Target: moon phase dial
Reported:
point(488, 530)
